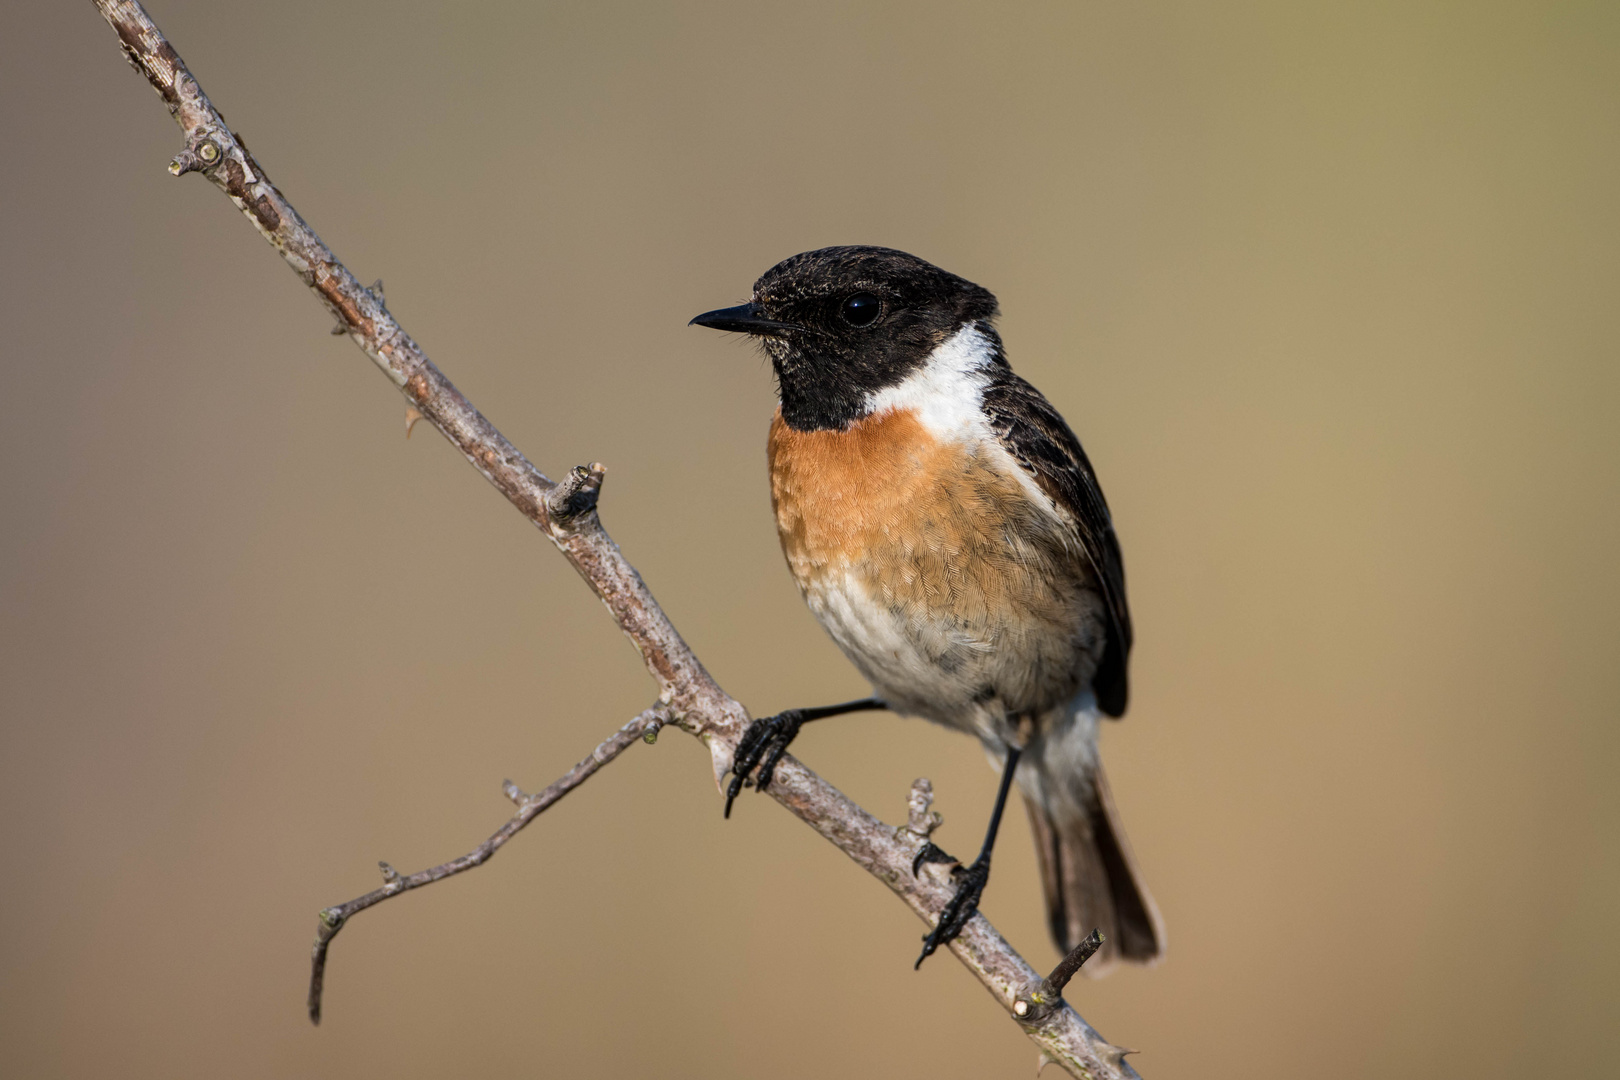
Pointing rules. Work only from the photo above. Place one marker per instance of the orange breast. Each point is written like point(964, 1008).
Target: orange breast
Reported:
point(920, 521)
point(836, 492)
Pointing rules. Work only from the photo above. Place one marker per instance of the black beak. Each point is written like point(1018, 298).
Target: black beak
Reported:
point(744, 319)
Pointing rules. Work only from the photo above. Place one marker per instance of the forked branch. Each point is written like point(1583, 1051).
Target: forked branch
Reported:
point(566, 512)
point(530, 807)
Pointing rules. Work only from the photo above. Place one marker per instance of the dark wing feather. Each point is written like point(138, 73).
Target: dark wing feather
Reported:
point(1034, 433)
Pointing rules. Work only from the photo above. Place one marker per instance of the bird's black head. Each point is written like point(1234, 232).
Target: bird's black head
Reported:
point(841, 323)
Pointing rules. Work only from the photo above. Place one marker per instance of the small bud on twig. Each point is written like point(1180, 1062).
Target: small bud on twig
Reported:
point(922, 819)
point(576, 494)
point(204, 155)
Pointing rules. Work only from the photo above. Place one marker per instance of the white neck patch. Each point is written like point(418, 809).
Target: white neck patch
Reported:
point(946, 391)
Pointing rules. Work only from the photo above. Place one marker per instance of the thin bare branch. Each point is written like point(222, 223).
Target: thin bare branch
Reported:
point(335, 918)
point(567, 514)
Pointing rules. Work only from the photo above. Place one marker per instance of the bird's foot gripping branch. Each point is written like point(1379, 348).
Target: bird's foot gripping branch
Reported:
point(688, 698)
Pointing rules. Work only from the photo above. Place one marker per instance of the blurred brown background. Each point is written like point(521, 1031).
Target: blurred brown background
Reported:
point(1330, 295)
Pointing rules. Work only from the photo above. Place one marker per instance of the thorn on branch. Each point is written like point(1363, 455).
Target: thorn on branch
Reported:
point(1114, 1055)
point(1041, 1000)
point(513, 792)
point(576, 494)
point(412, 415)
point(377, 291)
point(389, 874)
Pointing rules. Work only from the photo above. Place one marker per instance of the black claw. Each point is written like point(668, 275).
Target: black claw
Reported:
point(762, 779)
point(769, 735)
point(969, 888)
point(929, 852)
point(731, 793)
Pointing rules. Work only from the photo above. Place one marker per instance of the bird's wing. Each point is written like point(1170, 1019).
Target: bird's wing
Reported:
point(1035, 435)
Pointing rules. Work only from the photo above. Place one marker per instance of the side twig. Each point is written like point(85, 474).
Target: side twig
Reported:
point(530, 807)
point(567, 514)
point(1048, 994)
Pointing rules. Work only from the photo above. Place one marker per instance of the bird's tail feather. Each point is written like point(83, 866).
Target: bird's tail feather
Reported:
point(1087, 869)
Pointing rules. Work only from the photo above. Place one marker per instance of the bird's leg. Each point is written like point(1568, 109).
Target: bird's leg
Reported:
point(768, 738)
point(970, 880)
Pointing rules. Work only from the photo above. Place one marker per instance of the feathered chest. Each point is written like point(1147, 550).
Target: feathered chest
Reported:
point(937, 526)
point(952, 589)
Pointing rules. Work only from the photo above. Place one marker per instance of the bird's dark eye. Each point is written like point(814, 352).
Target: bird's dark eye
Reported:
point(862, 309)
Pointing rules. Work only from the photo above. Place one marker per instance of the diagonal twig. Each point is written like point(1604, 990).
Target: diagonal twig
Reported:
point(566, 513)
point(336, 917)
point(1039, 1000)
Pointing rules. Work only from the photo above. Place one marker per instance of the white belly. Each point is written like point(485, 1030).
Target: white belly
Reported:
point(980, 675)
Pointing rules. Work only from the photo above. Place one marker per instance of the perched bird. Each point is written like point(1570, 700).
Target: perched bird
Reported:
point(945, 527)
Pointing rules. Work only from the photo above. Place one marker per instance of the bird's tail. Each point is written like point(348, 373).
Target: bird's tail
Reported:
point(1087, 869)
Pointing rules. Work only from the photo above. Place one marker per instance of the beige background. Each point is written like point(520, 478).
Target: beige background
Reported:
point(1330, 295)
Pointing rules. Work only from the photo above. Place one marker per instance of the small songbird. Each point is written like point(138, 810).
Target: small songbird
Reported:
point(945, 527)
